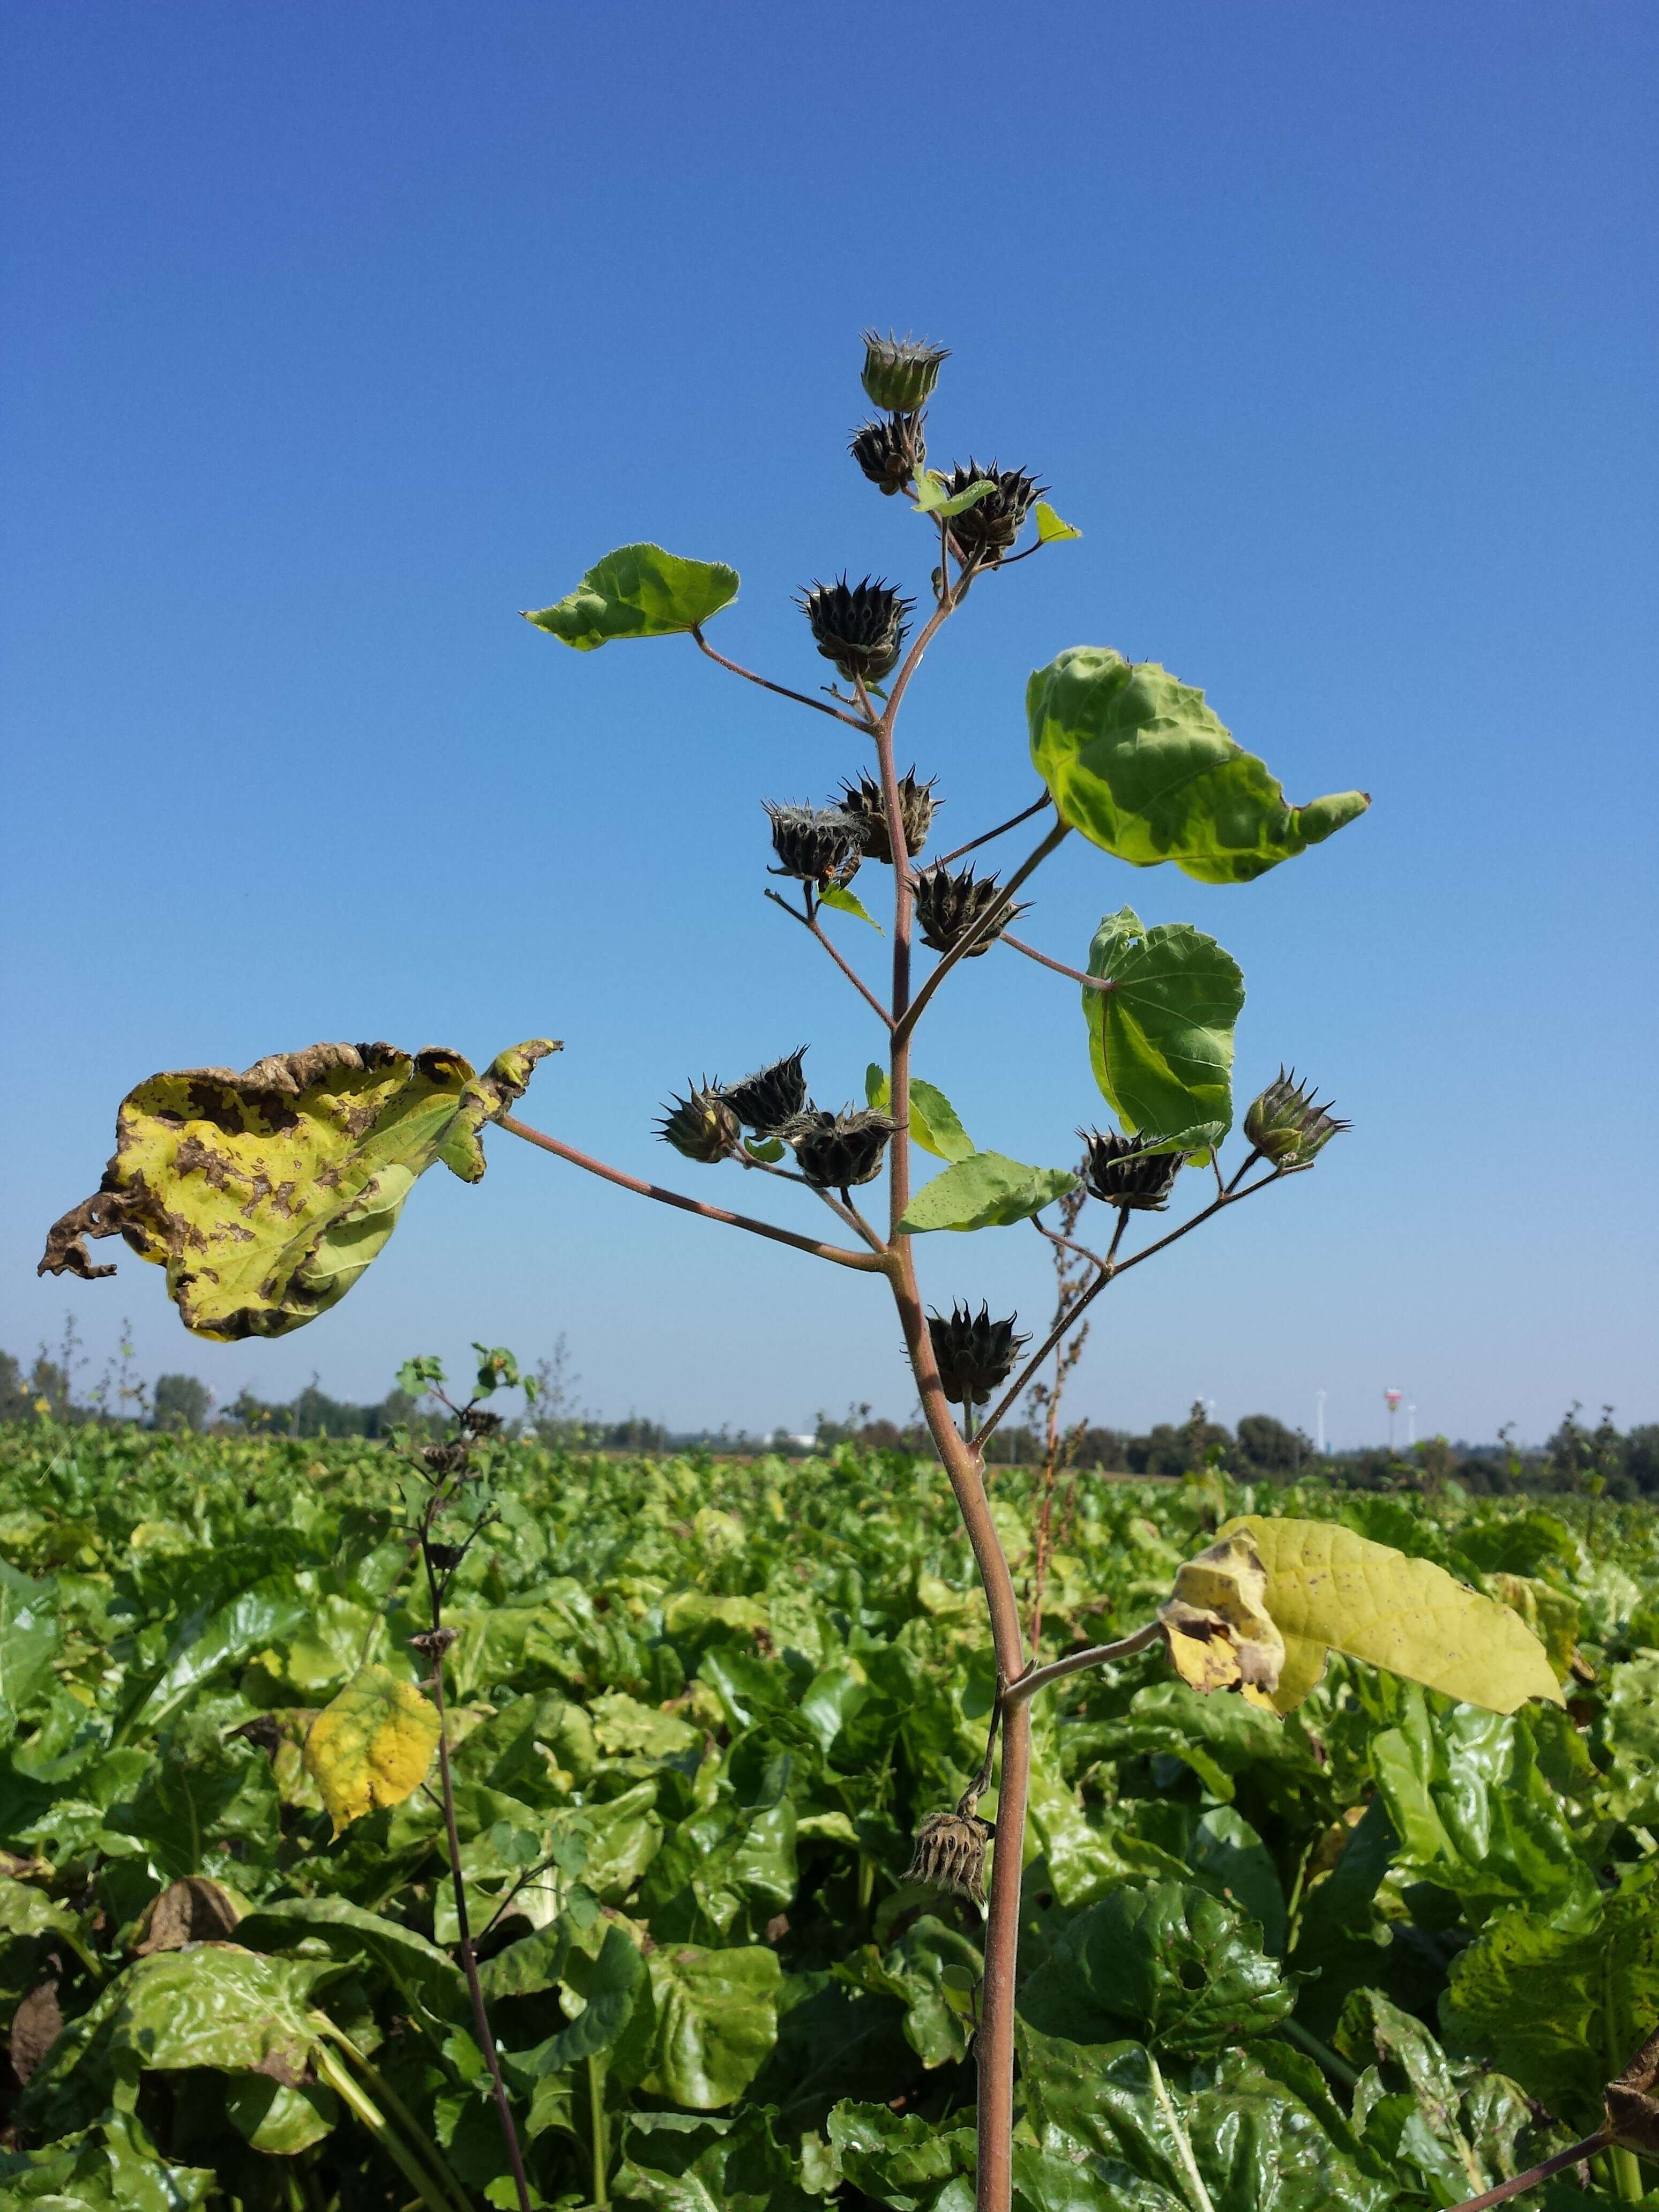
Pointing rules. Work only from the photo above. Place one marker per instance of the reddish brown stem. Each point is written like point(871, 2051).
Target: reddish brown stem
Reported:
point(1001, 831)
point(865, 1262)
point(1534, 2175)
point(801, 698)
point(1093, 982)
point(810, 921)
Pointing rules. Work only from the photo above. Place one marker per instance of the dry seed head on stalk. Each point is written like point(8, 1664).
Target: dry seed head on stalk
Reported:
point(1121, 1172)
point(835, 1151)
point(890, 450)
point(952, 908)
point(775, 1094)
point(700, 1127)
point(974, 1355)
point(861, 627)
point(987, 529)
point(820, 845)
point(1287, 1125)
point(950, 1854)
point(865, 802)
point(900, 373)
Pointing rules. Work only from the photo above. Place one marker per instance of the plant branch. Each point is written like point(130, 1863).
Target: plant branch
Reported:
point(865, 1262)
point(912, 1014)
point(1001, 829)
point(1074, 1662)
point(845, 1210)
point(766, 683)
point(1534, 2175)
point(810, 923)
point(1093, 982)
point(1115, 1267)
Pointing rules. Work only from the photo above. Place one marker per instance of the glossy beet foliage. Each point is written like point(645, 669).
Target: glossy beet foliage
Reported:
point(698, 1710)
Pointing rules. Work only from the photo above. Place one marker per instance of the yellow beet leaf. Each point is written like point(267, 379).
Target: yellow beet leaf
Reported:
point(372, 1746)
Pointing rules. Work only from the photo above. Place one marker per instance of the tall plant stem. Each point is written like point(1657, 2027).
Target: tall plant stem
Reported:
point(866, 1261)
point(994, 2045)
point(907, 1017)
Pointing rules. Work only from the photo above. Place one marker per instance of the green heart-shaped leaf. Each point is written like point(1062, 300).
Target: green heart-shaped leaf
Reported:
point(638, 591)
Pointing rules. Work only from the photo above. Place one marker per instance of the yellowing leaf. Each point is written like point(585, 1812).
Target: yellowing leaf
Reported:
point(1328, 1589)
point(265, 1194)
point(372, 1746)
point(1051, 529)
point(1220, 1634)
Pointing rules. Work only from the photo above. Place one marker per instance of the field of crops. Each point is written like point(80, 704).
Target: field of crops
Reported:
point(1386, 1951)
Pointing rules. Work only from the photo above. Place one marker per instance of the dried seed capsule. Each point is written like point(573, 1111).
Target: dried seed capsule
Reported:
point(900, 373)
point(1121, 1171)
point(950, 1854)
point(701, 1126)
point(775, 1094)
point(864, 801)
point(890, 450)
point(987, 529)
point(818, 845)
point(1287, 1125)
point(861, 627)
point(974, 1355)
point(835, 1151)
point(951, 908)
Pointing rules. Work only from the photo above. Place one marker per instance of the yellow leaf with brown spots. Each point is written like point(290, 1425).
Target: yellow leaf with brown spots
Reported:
point(1220, 1634)
point(372, 1746)
point(265, 1194)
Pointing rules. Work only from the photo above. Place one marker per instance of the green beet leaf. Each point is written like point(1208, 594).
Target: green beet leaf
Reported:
point(1171, 1964)
point(680, 2163)
point(899, 2159)
point(113, 2167)
point(1141, 766)
point(1252, 2130)
point(1161, 1039)
point(31, 1635)
point(1564, 2002)
point(1456, 2125)
point(638, 591)
point(703, 2025)
point(986, 1190)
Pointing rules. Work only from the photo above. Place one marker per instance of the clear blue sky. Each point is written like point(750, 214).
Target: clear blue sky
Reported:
point(336, 335)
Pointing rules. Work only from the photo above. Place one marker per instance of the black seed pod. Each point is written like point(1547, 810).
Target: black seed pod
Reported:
point(834, 1150)
point(975, 1354)
point(987, 530)
point(1122, 1172)
point(702, 1126)
point(950, 1854)
point(861, 627)
point(819, 844)
point(775, 1094)
point(1288, 1126)
point(953, 907)
point(863, 800)
point(890, 450)
point(900, 373)
point(445, 1557)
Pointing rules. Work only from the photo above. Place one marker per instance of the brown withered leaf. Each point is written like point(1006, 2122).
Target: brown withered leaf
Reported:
point(1633, 2108)
point(35, 2027)
point(1220, 1634)
point(191, 1911)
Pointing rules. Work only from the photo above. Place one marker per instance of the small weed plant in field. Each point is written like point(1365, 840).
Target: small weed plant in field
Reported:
point(1037, 1909)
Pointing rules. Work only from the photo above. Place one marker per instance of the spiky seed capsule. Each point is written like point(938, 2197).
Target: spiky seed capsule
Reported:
point(1287, 1125)
point(864, 801)
point(974, 1355)
point(951, 908)
point(775, 1094)
point(835, 1151)
point(1122, 1172)
point(445, 1556)
point(819, 844)
point(900, 373)
point(950, 1854)
point(890, 450)
point(477, 1421)
point(861, 627)
point(987, 530)
point(702, 1126)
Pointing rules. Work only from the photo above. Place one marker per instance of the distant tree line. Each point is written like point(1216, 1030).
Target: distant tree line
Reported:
point(1579, 1459)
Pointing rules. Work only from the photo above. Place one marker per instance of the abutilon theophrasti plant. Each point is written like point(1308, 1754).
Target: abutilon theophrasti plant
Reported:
point(265, 1194)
